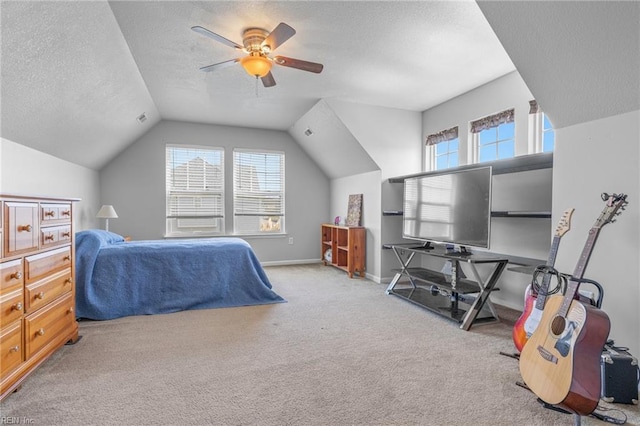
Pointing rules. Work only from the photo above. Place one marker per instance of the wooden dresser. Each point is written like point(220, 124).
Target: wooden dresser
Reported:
point(37, 284)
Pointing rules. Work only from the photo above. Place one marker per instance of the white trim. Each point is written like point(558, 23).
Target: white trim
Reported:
point(290, 262)
point(535, 132)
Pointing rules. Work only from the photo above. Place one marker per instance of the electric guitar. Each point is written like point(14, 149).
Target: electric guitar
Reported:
point(530, 318)
point(561, 361)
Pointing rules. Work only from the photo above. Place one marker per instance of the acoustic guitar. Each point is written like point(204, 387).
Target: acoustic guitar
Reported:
point(532, 313)
point(561, 361)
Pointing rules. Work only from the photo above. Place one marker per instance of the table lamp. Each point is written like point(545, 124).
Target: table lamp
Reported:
point(107, 212)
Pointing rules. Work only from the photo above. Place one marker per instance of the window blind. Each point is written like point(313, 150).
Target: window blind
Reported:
point(258, 185)
point(195, 182)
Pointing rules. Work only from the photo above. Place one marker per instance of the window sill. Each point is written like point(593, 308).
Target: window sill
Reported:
point(280, 235)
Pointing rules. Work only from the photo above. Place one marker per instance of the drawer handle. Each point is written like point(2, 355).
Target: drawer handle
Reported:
point(26, 228)
point(66, 234)
point(70, 310)
point(16, 306)
point(48, 237)
point(15, 348)
point(66, 213)
point(16, 275)
point(68, 280)
point(40, 332)
point(40, 295)
point(49, 213)
point(66, 258)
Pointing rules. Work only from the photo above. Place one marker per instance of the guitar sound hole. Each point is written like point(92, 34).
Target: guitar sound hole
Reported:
point(557, 325)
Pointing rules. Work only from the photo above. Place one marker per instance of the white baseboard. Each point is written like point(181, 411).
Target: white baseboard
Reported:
point(290, 262)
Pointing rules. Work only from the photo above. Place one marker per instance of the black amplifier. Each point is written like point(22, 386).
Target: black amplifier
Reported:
point(619, 376)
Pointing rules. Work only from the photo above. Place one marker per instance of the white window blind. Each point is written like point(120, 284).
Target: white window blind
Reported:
point(258, 192)
point(195, 190)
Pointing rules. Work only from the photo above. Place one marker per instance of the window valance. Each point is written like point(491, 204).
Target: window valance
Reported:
point(492, 121)
point(443, 136)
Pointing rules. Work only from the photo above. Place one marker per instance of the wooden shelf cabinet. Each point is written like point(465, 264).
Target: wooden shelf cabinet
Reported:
point(37, 284)
point(344, 247)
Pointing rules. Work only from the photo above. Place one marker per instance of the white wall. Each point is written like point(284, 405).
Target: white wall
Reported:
point(25, 171)
point(367, 184)
point(392, 138)
point(591, 158)
point(134, 182)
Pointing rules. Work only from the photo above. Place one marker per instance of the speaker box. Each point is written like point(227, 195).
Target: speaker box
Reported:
point(619, 376)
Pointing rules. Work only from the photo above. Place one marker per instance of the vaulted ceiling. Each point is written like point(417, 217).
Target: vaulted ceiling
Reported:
point(76, 75)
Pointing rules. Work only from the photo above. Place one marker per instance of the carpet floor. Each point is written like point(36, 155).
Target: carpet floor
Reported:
point(339, 352)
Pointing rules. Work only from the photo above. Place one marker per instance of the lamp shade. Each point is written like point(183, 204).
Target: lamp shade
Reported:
point(256, 65)
point(107, 212)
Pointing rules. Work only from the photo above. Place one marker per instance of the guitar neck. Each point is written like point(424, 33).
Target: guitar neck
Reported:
point(551, 261)
point(578, 273)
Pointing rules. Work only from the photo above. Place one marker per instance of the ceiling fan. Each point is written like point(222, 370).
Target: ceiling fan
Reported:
point(258, 43)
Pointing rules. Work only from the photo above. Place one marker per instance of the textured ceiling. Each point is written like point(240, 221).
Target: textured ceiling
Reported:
point(580, 59)
point(75, 75)
point(70, 87)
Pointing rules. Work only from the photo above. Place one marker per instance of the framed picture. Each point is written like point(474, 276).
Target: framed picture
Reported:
point(354, 210)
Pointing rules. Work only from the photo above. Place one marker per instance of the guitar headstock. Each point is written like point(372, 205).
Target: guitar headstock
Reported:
point(565, 223)
point(615, 203)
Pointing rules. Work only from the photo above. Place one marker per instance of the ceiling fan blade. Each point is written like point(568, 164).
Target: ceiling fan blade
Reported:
point(219, 65)
point(205, 32)
point(299, 64)
point(268, 80)
point(279, 35)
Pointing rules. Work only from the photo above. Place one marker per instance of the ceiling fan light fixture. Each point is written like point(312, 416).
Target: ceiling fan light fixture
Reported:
point(256, 65)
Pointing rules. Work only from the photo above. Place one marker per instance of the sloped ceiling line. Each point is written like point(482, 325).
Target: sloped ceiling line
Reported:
point(332, 146)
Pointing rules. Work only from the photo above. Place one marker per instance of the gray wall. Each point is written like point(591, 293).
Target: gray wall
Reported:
point(134, 182)
point(25, 171)
point(526, 191)
point(591, 158)
point(391, 137)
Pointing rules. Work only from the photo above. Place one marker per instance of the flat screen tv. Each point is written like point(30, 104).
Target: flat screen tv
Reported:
point(449, 208)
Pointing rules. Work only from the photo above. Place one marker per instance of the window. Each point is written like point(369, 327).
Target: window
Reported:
point(542, 136)
point(548, 135)
point(494, 137)
point(258, 192)
point(443, 149)
point(195, 190)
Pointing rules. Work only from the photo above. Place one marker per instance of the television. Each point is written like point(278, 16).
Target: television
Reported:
point(449, 208)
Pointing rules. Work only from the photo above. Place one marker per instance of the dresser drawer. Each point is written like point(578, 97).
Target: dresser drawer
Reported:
point(11, 351)
point(11, 277)
point(43, 264)
point(55, 235)
point(11, 306)
point(48, 323)
point(43, 292)
point(55, 213)
point(21, 227)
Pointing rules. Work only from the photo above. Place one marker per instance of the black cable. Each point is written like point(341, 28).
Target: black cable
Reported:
point(609, 419)
point(544, 270)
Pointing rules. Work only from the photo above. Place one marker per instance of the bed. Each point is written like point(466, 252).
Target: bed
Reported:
point(117, 278)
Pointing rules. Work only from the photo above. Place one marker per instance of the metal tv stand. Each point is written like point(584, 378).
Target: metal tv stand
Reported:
point(444, 293)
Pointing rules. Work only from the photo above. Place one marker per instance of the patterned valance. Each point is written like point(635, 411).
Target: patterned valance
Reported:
point(492, 121)
point(443, 136)
point(533, 107)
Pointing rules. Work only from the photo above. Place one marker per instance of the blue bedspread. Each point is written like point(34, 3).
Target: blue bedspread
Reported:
point(117, 278)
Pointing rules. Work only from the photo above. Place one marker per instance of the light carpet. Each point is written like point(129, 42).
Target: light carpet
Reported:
point(340, 352)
